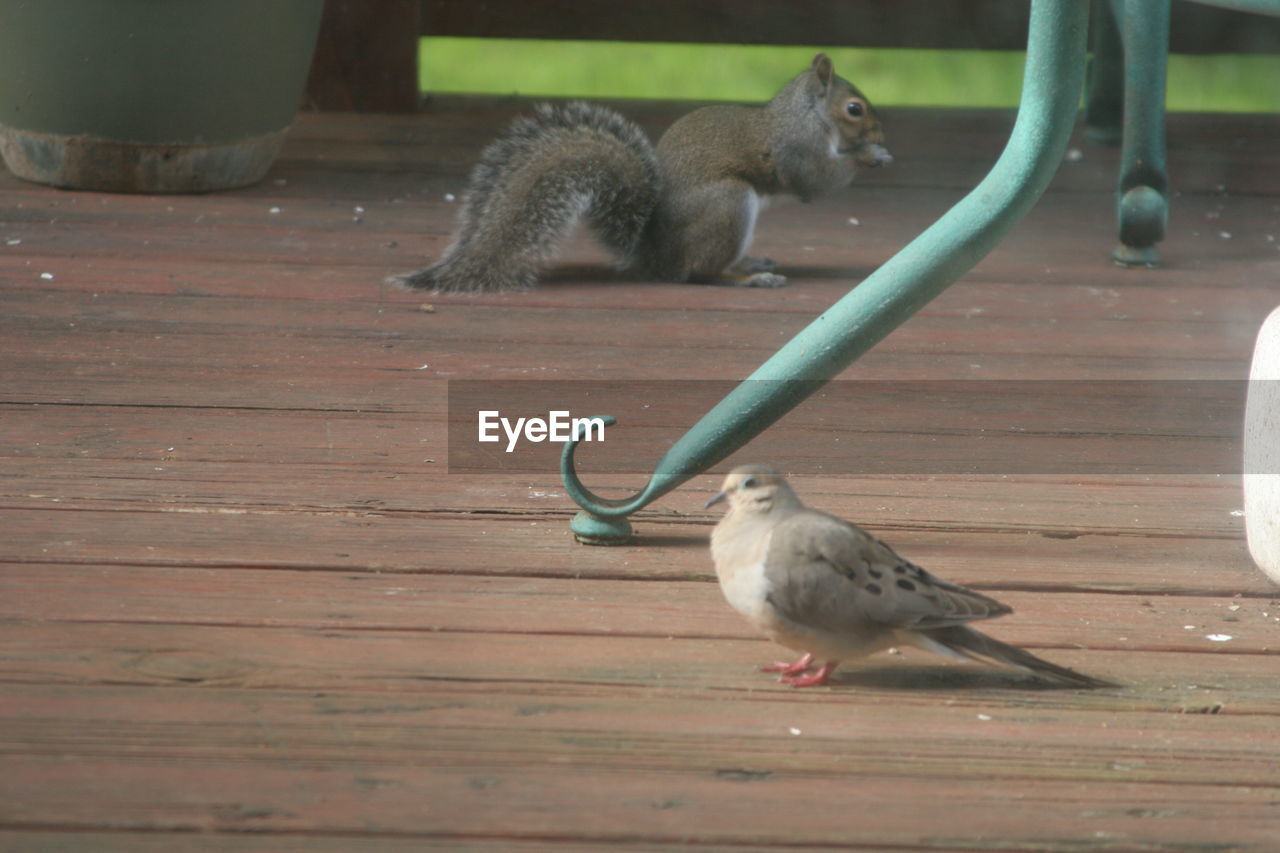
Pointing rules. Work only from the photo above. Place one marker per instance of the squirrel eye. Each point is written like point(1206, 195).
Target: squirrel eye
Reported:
point(856, 109)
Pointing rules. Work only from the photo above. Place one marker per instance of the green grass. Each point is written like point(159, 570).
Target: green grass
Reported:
point(1235, 83)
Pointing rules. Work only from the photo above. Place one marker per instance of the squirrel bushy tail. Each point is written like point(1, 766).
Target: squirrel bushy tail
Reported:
point(566, 162)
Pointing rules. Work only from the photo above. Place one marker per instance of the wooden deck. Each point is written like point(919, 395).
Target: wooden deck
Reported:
point(245, 607)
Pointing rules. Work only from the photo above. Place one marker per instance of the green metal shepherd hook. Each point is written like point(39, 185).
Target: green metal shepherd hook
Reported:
point(889, 296)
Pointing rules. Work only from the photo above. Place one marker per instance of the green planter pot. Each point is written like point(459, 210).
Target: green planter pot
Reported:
point(150, 95)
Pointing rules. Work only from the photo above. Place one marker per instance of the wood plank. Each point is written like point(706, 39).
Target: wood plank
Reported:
point(219, 657)
point(1112, 309)
point(841, 733)
point(93, 453)
point(52, 840)
point(385, 473)
point(487, 544)
point(685, 609)
point(78, 360)
point(231, 296)
point(366, 57)
point(1013, 323)
point(811, 242)
point(602, 806)
point(1069, 430)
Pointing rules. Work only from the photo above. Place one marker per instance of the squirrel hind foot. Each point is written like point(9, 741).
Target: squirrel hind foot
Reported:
point(419, 280)
point(441, 278)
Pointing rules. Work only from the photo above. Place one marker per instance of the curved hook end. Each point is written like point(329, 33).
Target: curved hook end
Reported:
point(595, 505)
point(603, 521)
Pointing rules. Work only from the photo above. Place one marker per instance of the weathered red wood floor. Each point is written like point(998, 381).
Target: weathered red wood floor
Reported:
point(245, 607)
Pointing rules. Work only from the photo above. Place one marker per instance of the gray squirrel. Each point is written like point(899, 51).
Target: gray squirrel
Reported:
point(684, 211)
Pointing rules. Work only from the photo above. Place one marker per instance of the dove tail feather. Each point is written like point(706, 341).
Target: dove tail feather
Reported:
point(963, 641)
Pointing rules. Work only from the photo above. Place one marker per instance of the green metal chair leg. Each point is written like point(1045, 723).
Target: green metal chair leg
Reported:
point(887, 298)
point(1104, 100)
point(1143, 206)
point(1143, 197)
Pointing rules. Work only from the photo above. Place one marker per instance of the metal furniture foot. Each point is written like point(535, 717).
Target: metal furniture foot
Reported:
point(1143, 206)
point(1142, 48)
point(893, 293)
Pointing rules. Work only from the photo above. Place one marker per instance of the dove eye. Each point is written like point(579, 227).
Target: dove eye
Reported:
point(749, 483)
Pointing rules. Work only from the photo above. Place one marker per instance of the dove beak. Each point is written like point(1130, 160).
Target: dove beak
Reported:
point(715, 499)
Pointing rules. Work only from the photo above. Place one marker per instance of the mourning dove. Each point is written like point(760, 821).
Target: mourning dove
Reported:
point(831, 590)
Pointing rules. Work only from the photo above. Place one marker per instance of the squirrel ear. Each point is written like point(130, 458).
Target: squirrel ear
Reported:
point(823, 69)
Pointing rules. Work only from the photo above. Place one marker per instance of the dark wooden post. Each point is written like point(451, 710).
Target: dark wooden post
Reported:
point(366, 57)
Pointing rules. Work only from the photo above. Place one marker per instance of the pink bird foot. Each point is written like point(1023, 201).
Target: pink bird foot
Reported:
point(788, 669)
point(816, 679)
